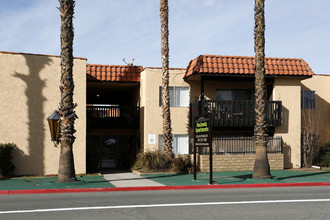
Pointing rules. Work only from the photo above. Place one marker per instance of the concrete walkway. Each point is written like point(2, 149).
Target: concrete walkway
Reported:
point(128, 179)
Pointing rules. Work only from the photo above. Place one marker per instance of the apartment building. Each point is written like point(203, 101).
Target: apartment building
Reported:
point(119, 110)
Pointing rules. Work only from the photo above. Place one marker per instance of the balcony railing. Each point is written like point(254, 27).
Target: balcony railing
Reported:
point(113, 117)
point(235, 113)
point(241, 145)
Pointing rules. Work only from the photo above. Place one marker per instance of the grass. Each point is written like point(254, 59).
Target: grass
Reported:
point(242, 177)
point(44, 182)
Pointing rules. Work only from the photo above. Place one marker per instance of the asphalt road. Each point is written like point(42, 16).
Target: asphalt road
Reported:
point(255, 203)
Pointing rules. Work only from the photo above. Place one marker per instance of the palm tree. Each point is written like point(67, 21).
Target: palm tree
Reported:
point(261, 165)
point(66, 171)
point(167, 129)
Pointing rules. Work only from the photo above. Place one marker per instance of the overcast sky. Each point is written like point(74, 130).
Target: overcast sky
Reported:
point(106, 31)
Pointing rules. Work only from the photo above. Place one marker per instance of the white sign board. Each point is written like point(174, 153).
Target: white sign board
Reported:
point(151, 138)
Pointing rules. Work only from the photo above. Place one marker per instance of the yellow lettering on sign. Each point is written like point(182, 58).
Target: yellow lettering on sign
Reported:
point(198, 130)
point(201, 124)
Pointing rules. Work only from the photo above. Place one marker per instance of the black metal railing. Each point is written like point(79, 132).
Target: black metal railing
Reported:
point(112, 117)
point(241, 145)
point(235, 113)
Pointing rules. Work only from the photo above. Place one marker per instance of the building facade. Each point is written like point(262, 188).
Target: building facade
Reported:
point(29, 94)
point(119, 110)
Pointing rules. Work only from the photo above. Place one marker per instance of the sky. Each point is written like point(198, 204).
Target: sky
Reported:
point(106, 31)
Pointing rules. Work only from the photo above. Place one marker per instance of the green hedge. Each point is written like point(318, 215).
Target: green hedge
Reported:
point(6, 165)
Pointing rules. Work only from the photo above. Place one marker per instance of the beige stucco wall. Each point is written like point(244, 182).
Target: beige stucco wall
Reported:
point(210, 88)
point(321, 85)
point(288, 90)
point(29, 94)
point(151, 112)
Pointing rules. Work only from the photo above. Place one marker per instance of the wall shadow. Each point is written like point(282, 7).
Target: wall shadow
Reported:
point(141, 146)
point(284, 128)
point(35, 107)
point(304, 175)
point(19, 155)
point(287, 156)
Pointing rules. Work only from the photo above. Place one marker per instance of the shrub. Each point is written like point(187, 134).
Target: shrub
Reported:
point(6, 165)
point(159, 161)
point(182, 164)
point(152, 161)
point(323, 158)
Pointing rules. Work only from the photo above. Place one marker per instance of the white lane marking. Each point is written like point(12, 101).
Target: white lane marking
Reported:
point(163, 205)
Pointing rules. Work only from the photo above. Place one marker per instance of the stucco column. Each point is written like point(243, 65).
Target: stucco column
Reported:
point(288, 90)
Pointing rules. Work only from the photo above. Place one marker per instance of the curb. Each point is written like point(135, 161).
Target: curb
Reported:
point(154, 188)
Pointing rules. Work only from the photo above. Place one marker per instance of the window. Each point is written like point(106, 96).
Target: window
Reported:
point(308, 99)
point(234, 94)
point(180, 143)
point(179, 96)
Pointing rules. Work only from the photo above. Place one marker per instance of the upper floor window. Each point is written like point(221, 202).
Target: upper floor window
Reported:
point(179, 96)
point(234, 94)
point(308, 99)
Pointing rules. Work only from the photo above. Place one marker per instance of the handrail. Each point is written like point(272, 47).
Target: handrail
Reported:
point(241, 145)
point(111, 117)
point(235, 112)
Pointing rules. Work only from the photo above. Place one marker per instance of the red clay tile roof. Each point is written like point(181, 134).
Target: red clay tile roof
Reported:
point(113, 73)
point(234, 65)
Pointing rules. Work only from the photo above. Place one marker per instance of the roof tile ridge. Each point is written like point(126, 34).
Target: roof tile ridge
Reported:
point(199, 63)
point(283, 58)
point(308, 68)
point(187, 69)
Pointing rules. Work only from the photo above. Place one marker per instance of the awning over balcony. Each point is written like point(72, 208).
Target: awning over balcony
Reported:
point(244, 66)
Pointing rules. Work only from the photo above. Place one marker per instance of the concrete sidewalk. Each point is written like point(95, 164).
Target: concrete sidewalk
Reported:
point(129, 179)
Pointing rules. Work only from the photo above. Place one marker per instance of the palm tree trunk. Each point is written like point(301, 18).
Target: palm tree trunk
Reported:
point(66, 171)
point(261, 165)
point(167, 129)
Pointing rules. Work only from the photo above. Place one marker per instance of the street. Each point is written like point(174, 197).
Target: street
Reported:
point(253, 203)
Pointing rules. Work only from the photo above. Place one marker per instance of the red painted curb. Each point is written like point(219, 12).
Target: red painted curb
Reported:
point(4, 192)
point(152, 188)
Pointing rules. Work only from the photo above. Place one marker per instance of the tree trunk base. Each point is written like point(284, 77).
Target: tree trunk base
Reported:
point(261, 177)
point(261, 167)
point(69, 180)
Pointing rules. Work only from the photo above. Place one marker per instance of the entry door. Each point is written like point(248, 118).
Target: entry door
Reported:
point(109, 152)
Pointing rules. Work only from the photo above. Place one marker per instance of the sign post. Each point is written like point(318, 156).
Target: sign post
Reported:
point(195, 164)
point(203, 138)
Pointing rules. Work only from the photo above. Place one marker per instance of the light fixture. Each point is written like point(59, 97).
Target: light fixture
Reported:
point(54, 125)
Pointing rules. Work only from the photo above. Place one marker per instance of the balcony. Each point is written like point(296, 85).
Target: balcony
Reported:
point(235, 113)
point(241, 145)
point(112, 117)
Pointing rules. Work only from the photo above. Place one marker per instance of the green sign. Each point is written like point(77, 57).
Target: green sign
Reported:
point(202, 131)
point(203, 138)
